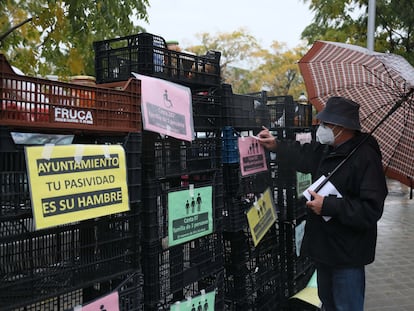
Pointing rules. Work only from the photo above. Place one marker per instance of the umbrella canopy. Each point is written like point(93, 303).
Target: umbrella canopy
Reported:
point(381, 83)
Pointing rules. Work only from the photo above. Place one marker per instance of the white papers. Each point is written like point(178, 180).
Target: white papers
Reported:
point(305, 137)
point(327, 189)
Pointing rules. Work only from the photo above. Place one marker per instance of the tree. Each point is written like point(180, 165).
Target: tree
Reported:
point(346, 21)
point(249, 68)
point(237, 48)
point(279, 72)
point(59, 37)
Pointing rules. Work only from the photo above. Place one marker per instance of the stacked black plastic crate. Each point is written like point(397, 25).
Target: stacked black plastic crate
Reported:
point(116, 59)
point(60, 267)
point(174, 272)
point(290, 120)
point(253, 277)
point(176, 269)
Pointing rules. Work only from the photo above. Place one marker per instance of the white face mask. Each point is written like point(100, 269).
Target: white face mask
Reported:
point(325, 135)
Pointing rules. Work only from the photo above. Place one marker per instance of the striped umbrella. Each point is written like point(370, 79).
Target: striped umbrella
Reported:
point(382, 84)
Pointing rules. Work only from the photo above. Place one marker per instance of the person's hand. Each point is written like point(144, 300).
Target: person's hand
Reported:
point(266, 139)
point(316, 203)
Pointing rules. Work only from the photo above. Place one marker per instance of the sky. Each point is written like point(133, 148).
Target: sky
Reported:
point(267, 20)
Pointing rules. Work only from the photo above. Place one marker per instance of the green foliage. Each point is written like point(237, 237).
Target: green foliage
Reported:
point(59, 39)
point(346, 21)
point(235, 47)
point(249, 68)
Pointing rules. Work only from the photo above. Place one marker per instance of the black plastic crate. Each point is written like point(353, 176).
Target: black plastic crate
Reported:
point(133, 151)
point(165, 157)
point(266, 298)
point(249, 268)
point(240, 194)
point(301, 279)
point(169, 273)
point(290, 205)
point(244, 111)
point(207, 106)
point(297, 269)
point(36, 265)
point(66, 301)
point(15, 196)
point(39, 264)
point(130, 292)
point(116, 59)
point(155, 202)
point(286, 113)
point(253, 274)
point(303, 116)
point(282, 111)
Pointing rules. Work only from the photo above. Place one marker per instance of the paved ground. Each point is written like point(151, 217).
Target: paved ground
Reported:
point(390, 279)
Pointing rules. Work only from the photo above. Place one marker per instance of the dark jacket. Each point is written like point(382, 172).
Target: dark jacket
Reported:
point(348, 239)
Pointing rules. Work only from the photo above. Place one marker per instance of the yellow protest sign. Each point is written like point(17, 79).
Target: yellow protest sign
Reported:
point(261, 216)
point(76, 182)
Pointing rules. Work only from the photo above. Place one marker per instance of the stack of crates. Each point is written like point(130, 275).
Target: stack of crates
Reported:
point(253, 275)
point(287, 122)
point(243, 115)
point(178, 262)
point(244, 111)
point(174, 272)
point(253, 278)
point(60, 267)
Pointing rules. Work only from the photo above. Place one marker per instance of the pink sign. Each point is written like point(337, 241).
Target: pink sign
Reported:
point(252, 156)
point(166, 108)
point(107, 303)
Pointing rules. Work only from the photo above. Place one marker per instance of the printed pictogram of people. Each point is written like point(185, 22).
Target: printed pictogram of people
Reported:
point(261, 209)
point(254, 148)
point(195, 203)
point(200, 306)
point(187, 207)
point(199, 202)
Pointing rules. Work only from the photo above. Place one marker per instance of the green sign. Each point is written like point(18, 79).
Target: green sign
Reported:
point(203, 302)
point(190, 214)
point(303, 181)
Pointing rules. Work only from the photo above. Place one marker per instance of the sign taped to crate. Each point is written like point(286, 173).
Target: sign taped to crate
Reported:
point(252, 156)
point(261, 216)
point(190, 214)
point(166, 108)
point(204, 301)
point(303, 182)
point(108, 302)
point(76, 182)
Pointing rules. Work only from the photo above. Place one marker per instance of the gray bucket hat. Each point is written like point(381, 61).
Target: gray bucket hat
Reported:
point(341, 111)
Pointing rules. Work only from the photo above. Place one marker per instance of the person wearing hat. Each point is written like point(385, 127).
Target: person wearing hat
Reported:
point(340, 231)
